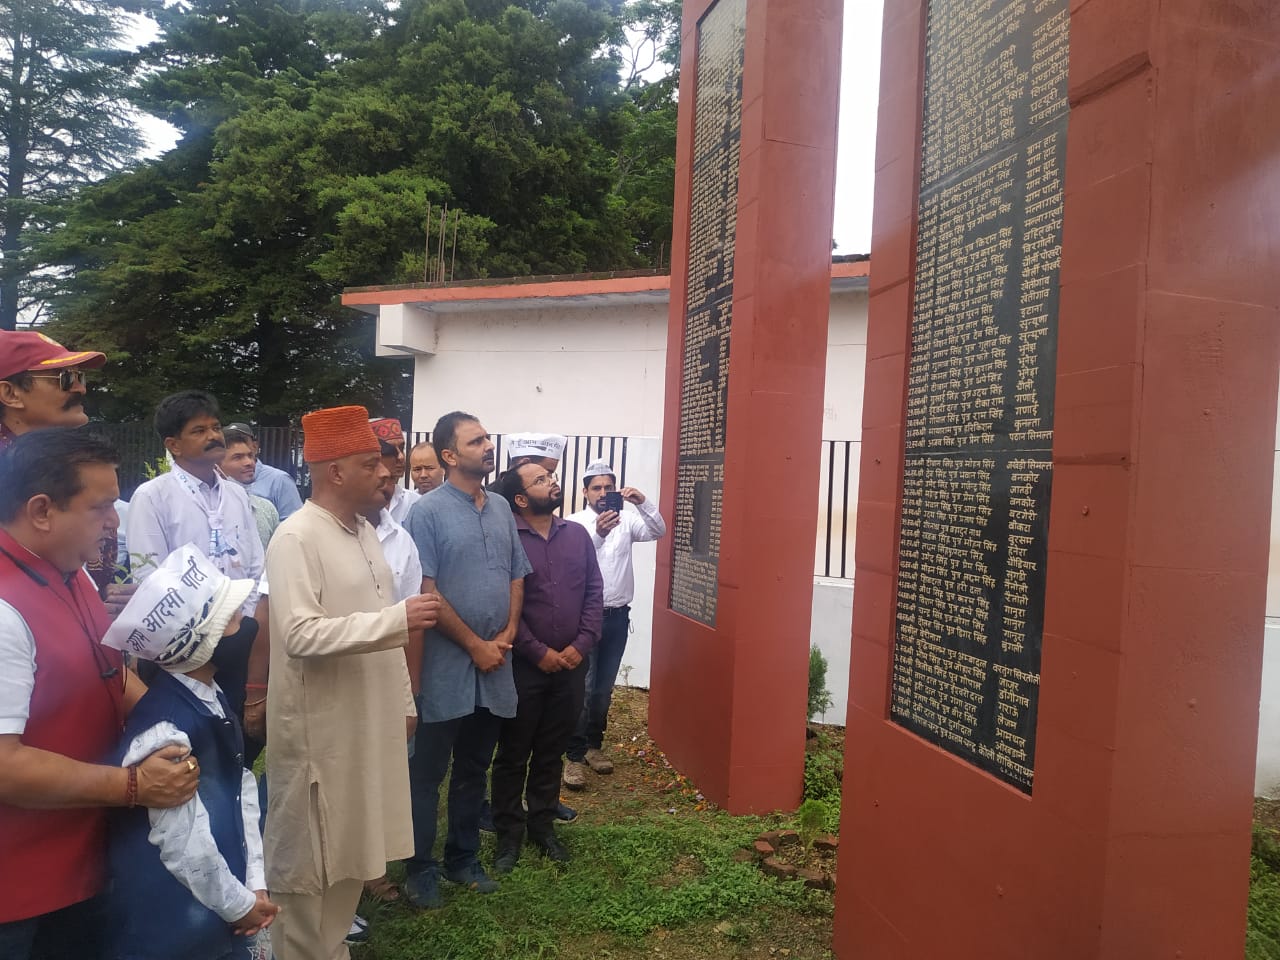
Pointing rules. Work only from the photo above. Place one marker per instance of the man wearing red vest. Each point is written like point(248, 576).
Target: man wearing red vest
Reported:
point(63, 699)
point(42, 384)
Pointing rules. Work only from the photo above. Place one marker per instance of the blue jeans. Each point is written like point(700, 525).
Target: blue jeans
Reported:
point(78, 931)
point(602, 673)
point(469, 741)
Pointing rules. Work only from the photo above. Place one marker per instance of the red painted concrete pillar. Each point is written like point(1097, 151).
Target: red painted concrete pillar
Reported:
point(750, 286)
point(1133, 840)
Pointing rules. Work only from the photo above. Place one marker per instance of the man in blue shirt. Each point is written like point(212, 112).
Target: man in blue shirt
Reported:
point(471, 556)
point(269, 482)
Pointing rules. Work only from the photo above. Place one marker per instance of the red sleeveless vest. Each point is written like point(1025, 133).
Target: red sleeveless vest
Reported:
point(50, 859)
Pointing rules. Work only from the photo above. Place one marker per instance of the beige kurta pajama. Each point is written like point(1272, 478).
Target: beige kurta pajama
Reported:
point(337, 775)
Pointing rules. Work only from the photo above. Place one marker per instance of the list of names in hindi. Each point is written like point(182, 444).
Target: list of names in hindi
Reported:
point(708, 311)
point(978, 466)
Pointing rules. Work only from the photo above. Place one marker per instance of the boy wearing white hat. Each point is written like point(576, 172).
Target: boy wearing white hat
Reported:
point(188, 883)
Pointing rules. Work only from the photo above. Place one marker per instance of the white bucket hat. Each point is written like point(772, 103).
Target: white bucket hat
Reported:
point(178, 614)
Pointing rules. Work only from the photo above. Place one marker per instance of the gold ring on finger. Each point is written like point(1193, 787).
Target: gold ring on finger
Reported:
point(191, 764)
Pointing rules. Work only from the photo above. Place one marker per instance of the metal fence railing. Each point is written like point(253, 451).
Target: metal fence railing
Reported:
point(281, 447)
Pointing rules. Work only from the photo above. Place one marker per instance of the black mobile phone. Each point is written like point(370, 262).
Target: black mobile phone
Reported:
point(611, 501)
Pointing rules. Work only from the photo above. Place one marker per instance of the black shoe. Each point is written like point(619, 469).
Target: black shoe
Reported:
point(551, 847)
point(507, 857)
point(565, 813)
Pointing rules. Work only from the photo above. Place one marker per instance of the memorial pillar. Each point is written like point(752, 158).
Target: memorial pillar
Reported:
point(1065, 482)
point(746, 350)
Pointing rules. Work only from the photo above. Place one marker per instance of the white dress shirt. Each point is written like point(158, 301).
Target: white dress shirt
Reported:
point(177, 508)
point(401, 554)
point(640, 524)
point(183, 834)
point(401, 501)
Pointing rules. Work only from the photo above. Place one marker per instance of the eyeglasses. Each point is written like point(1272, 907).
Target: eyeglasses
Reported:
point(546, 480)
point(66, 378)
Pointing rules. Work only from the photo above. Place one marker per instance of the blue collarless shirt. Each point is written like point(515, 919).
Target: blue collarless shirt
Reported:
point(473, 554)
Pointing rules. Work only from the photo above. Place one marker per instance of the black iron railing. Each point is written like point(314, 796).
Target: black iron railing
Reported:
point(140, 450)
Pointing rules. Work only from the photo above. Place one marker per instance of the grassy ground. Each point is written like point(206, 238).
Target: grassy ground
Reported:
point(657, 874)
point(654, 874)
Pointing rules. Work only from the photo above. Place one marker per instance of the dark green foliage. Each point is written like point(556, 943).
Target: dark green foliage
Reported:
point(64, 121)
point(819, 695)
point(316, 138)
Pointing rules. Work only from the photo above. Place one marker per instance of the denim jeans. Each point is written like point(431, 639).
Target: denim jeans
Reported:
point(78, 931)
point(469, 741)
point(602, 673)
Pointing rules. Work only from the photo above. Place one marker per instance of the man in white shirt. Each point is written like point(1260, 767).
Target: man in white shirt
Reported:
point(613, 530)
point(194, 504)
point(391, 441)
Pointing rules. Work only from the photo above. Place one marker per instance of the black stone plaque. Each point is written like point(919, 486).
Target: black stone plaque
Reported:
point(979, 433)
point(713, 217)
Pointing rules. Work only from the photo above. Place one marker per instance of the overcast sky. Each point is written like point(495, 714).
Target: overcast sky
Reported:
point(859, 85)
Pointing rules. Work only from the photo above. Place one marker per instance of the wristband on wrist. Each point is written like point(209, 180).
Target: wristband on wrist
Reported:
point(131, 791)
point(255, 703)
point(255, 686)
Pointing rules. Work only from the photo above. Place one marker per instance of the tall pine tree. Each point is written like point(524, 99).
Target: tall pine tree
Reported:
point(63, 119)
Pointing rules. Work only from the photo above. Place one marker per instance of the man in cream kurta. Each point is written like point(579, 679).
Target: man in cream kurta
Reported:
point(337, 705)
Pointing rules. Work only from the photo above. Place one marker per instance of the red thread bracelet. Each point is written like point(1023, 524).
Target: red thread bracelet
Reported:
point(131, 793)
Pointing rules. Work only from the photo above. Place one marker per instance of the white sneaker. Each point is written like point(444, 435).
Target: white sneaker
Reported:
point(359, 932)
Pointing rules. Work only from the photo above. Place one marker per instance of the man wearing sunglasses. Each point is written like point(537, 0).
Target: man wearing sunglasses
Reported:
point(42, 384)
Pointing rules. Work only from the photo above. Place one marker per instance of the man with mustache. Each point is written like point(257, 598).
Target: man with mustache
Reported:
point(194, 504)
point(391, 443)
point(42, 384)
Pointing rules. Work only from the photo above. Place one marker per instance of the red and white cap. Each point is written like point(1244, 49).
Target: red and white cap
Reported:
point(25, 351)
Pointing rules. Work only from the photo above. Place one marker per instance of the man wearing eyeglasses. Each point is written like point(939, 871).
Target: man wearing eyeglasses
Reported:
point(42, 385)
point(559, 626)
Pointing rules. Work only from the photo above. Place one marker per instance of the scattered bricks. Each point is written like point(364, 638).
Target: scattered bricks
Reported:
point(774, 867)
point(764, 849)
point(813, 878)
point(742, 855)
point(787, 838)
point(770, 837)
point(831, 879)
point(827, 844)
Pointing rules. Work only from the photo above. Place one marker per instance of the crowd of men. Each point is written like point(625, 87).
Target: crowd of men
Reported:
point(374, 638)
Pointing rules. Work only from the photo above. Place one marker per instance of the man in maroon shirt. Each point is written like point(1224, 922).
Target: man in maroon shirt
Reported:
point(559, 624)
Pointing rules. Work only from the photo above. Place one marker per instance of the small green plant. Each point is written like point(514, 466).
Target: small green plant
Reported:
point(152, 469)
point(819, 696)
point(625, 670)
point(811, 823)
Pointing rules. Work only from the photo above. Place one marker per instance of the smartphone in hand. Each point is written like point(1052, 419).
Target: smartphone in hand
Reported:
point(611, 501)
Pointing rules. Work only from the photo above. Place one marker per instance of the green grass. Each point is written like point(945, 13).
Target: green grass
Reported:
point(1263, 939)
point(628, 881)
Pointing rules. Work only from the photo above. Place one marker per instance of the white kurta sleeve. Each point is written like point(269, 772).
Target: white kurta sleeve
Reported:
point(297, 584)
point(185, 839)
point(255, 873)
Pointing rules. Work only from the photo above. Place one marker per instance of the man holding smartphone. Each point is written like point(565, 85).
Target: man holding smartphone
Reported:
point(613, 530)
